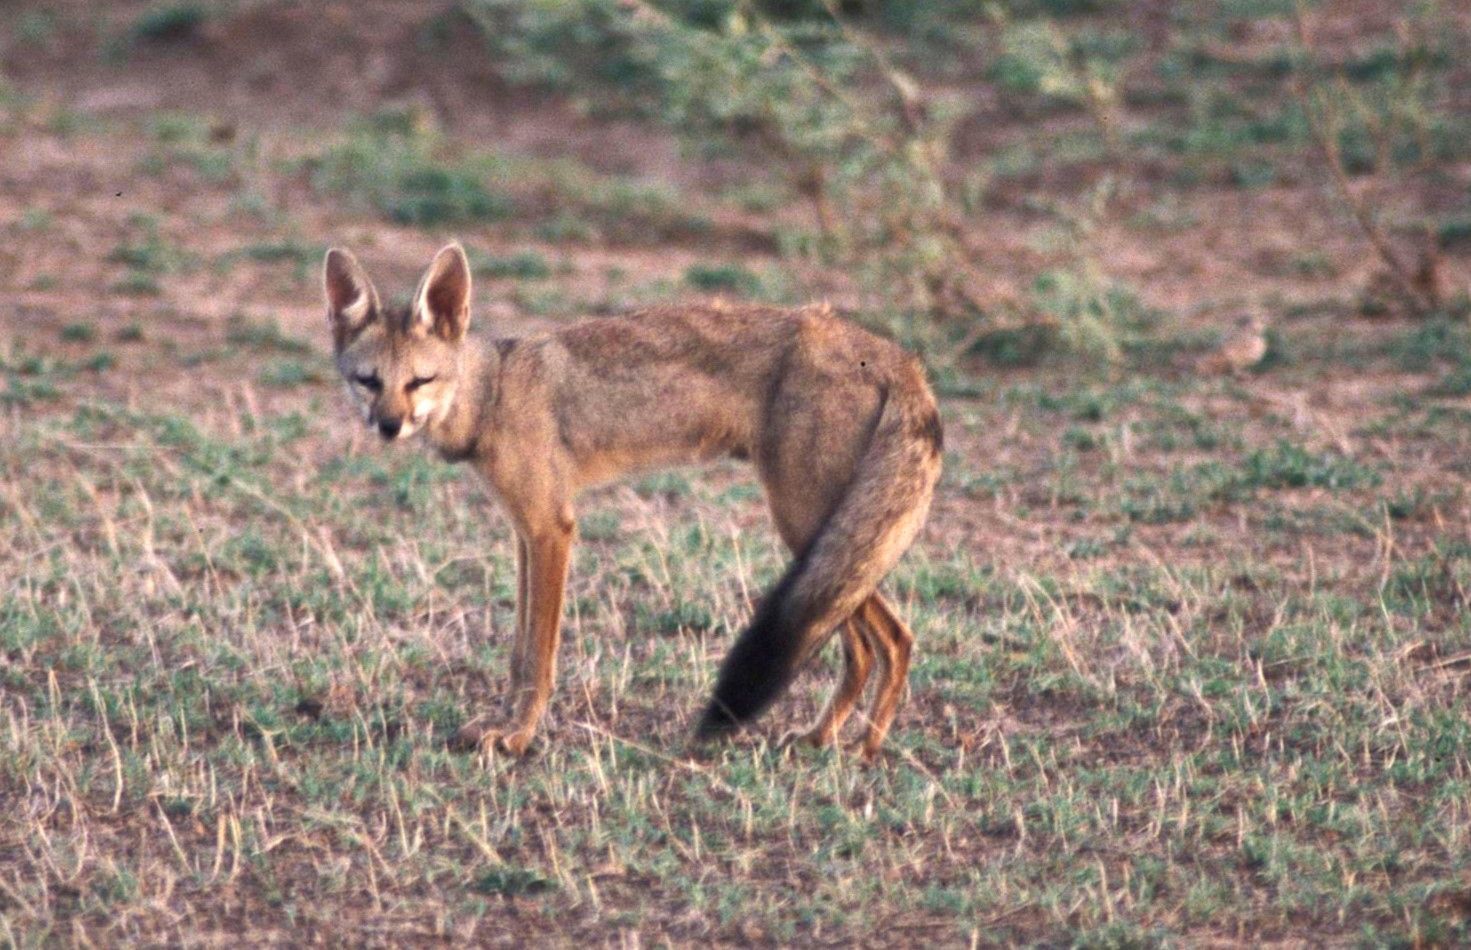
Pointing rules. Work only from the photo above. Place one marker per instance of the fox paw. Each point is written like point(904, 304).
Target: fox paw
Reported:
point(864, 748)
point(476, 736)
point(815, 738)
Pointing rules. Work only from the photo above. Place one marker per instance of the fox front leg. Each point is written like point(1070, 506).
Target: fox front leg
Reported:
point(542, 562)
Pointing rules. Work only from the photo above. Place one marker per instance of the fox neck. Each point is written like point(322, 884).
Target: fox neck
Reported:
point(455, 432)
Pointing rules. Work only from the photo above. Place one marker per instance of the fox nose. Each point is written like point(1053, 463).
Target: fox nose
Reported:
point(389, 427)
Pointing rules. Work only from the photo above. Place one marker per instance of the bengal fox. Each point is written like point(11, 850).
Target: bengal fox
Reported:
point(840, 424)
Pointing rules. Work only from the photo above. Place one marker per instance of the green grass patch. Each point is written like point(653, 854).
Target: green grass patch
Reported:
point(731, 278)
point(412, 179)
point(523, 265)
point(169, 22)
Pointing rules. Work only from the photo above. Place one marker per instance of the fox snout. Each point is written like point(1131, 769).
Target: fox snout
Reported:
point(389, 427)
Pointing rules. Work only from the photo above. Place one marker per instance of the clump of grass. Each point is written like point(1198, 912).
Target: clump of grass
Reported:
point(37, 219)
point(23, 392)
point(147, 256)
point(1090, 315)
point(138, 283)
point(301, 257)
point(1454, 232)
point(732, 278)
point(192, 141)
point(35, 27)
point(263, 335)
point(174, 128)
point(577, 204)
point(1430, 343)
point(1455, 383)
point(1187, 491)
point(169, 22)
point(1287, 465)
point(1016, 346)
point(410, 179)
point(511, 881)
point(287, 250)
point(288, 373)
point(523, 265)
point(99, 362)
point(147, 251)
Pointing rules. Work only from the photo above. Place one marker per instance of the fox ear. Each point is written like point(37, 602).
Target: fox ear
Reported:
point(351, 300)
point(442, 302)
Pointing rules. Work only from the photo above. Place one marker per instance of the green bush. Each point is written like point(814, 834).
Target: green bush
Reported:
point(772, 82)
point(723, 277)
point(405, 178)
point(169, 22)
point(1285, 465)
point(526, 265)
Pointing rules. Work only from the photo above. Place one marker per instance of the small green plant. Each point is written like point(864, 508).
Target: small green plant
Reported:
point(1074, 302)
point(410, 179)
point(35, 27)
point(288, 373)
point(1090, 314)
point(147, 256)
point(1082, 67)
point(37, 219)
point(524, 265)
point(723, 277)
point(169, 22)
point(147, 251)
point(1379, 115)
point(510, 882)
point(173, 128)
point(1287, 465)
point(1430, 343)
point(99, 362)
point(263, 335)
point(139, 284)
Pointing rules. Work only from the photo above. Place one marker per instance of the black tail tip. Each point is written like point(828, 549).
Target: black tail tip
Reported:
point(716, 723)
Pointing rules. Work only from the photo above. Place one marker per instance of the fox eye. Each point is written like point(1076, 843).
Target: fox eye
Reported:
point(368, 381)
point(418, 381)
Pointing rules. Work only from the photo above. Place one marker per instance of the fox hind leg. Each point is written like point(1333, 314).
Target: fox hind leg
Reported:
point(893, 643)
point(874, 637)
point(858, 657)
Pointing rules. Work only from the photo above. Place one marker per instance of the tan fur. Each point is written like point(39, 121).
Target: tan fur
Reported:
point(840, 425)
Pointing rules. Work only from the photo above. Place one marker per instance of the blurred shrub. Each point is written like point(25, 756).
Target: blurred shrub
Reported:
point(715, 278)
point(524, 265)
point(797, 86)
point(402, 173)
point(169, 22)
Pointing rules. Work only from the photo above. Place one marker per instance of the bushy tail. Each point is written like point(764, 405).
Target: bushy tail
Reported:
point(863, 538)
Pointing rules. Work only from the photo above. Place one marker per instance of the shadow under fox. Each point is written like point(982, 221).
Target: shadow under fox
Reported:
point(839, 424)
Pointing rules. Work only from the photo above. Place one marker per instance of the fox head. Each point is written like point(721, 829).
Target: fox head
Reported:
point(401, 364)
